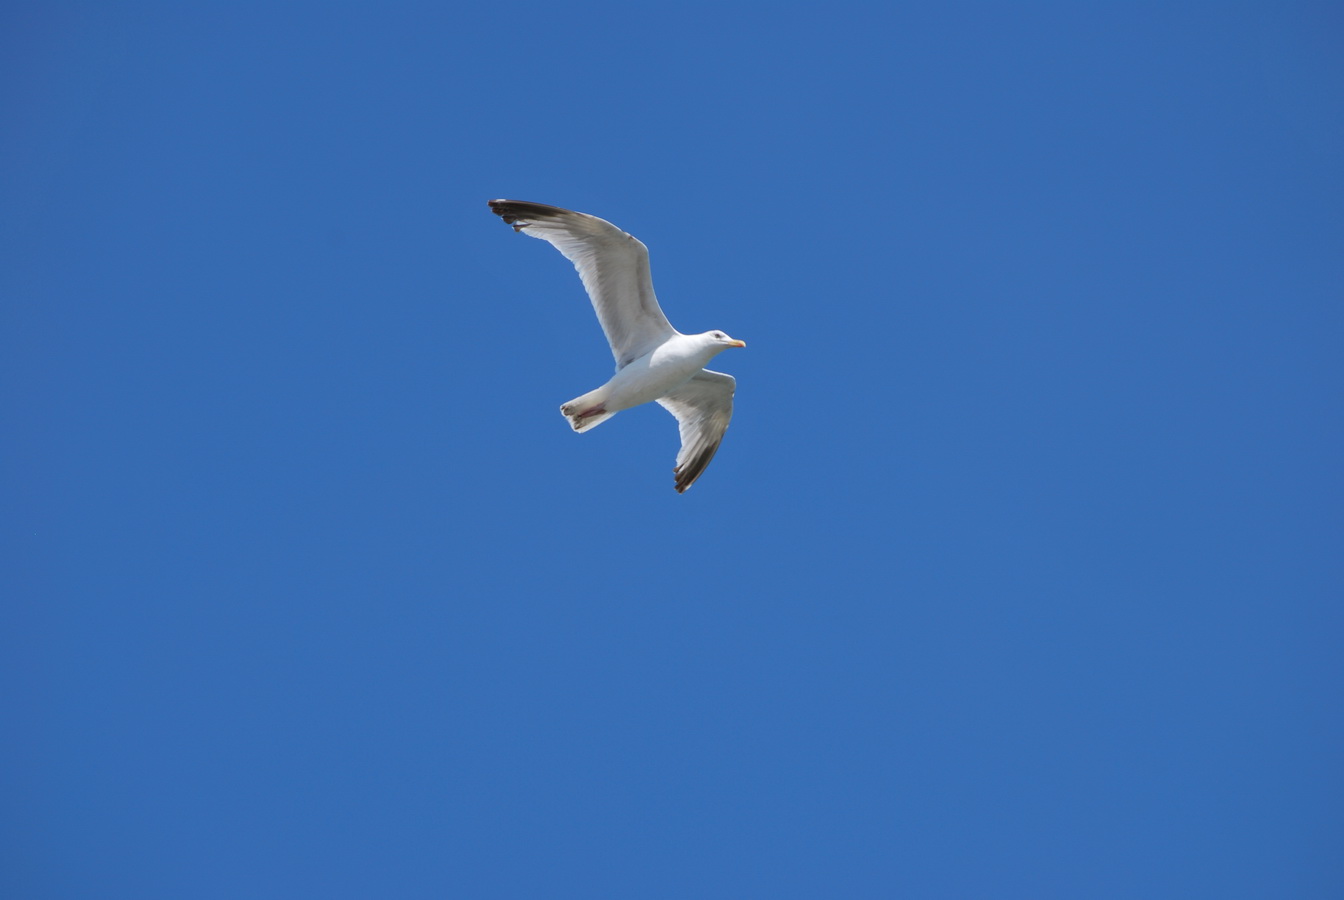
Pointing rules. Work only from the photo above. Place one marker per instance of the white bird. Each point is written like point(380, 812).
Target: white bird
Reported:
point(654, 361)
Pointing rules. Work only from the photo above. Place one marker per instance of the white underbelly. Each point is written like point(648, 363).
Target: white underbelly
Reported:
point(646, 379)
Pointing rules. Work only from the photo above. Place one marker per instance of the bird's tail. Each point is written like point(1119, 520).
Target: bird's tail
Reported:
point(587, 411)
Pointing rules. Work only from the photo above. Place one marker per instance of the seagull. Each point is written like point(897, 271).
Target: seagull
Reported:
point(654, 361)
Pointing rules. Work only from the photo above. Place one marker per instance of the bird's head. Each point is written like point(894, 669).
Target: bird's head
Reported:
point(720, 340)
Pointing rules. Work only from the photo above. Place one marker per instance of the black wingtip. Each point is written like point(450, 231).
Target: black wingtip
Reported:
point(503, 209)
point(511, 211)
point(686, 475)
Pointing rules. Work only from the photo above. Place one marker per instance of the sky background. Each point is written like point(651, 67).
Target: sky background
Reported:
point(1018, 575)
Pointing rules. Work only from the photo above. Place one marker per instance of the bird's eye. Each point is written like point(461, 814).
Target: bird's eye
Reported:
point(719, 335)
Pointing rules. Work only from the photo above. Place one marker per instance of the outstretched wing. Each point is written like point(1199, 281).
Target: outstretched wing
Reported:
point(614, 267)
point(703, 407)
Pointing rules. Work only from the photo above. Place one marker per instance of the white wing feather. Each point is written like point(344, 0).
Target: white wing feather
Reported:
point(613, 265)
point(703, 407)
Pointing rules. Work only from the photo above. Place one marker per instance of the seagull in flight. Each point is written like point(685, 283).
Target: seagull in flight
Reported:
point(654, 361)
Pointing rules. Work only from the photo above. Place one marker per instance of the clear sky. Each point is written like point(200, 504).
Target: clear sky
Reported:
point(1018, 575)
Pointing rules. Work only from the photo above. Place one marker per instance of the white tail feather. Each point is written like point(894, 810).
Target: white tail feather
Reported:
point(589, 401)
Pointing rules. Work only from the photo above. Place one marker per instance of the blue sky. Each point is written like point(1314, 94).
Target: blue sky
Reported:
point(1018, 574)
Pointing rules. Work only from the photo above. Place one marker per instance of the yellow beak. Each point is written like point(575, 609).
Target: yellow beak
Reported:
point(738, 344)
